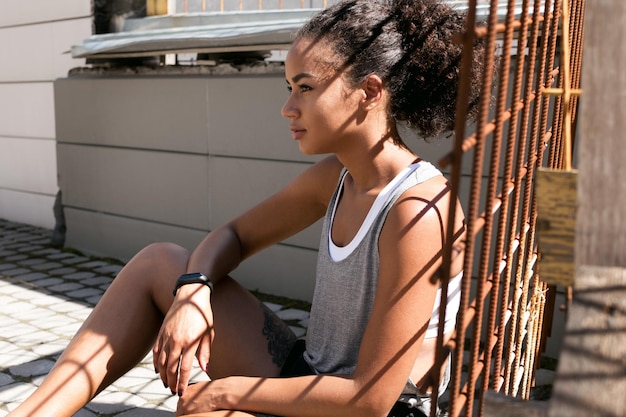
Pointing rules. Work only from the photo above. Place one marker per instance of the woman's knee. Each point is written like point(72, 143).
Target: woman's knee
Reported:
point(165, 252)
point(159, 261)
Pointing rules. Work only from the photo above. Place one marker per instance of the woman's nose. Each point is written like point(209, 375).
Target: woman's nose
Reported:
point(289, 109)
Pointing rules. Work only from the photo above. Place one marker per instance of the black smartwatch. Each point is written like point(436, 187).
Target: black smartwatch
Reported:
point(193, 278)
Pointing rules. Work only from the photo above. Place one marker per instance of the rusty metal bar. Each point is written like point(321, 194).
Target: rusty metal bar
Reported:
point(508, 314)
point(455, 176)
point(472, 214)
point(495, 336)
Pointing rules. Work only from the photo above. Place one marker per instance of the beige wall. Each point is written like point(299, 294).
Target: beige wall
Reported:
point(34, 39)
point(145, 159)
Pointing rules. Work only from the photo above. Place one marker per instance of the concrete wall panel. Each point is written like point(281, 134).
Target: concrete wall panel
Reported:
point(37, 11)
point(238, 184)
point(168, 188)
point(29, 208)
point(40, 52)
point(121, 237)
point(245, 118)
point(27, 110)
point(28, 165)
point(147, 113)
point(280, 270)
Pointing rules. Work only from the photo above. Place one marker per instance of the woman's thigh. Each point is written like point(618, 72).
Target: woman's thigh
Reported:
point(249, 338)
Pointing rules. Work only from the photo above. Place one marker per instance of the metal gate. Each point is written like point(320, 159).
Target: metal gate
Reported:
point(506, 307)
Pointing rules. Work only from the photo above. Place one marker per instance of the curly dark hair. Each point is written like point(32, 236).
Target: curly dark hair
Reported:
point(408, 43)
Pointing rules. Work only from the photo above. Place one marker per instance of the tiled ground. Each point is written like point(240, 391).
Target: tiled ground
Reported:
point(45, 294)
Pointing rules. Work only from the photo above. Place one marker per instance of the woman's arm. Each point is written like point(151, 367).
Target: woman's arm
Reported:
point(187, 330)
point(410, 254)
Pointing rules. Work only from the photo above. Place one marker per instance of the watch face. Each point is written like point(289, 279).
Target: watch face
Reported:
point(192, 278)
point(193, 275)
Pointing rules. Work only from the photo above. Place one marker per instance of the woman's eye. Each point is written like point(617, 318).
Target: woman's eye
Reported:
point(304, 87)
point(289, 88)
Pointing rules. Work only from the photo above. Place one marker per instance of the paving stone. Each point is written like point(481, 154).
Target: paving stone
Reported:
point(273, 306)
point(84, 293)
point(34, 244)
point(47, 266)
point(92, 301)
point(111, 269)
point(5, 379)
point(114, 402)
point(62, 271)
point(47, 252)
point(60, 255)
point(66, 286)
point(298, 331)
point(17, 257)
point(7, 266)
point(98, 281)
point(31, 261)
point(74, 260)
point(5, 253)
point(79, 276)
point(92, 264)
point(83, 412)
point(35, 368)
point(34, 338)
point(43, 300)
point(66, 307)
point(15, 271)
point(32, 276)
point(16, 393)
point(47, 282)
point(14, 308)
point(17, 357)
point(292, 314)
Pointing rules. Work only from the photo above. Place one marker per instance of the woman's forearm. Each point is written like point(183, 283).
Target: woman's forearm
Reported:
point(307, 396)
point(217, 255)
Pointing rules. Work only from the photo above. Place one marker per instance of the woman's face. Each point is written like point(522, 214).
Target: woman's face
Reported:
point(322, 107)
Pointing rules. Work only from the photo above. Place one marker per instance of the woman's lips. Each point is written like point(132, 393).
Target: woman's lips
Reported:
point(297, 133)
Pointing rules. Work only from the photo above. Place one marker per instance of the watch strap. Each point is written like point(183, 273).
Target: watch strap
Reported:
point(192, 278)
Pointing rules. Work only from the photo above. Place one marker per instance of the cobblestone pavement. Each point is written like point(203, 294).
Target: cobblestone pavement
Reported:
point(45, 295)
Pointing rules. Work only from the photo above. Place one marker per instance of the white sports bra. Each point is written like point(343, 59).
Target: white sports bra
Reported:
point(424, 172)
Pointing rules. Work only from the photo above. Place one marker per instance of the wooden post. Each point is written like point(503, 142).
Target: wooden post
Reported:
point(591, 378)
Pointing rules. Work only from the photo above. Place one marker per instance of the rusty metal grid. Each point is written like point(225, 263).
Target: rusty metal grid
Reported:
point(506, 309)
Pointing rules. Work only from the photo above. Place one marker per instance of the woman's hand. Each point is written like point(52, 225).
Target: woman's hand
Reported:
point(187, 331)
point(203, 397)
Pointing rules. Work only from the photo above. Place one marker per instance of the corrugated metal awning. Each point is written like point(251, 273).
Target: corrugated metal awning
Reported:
point(199, 32)
point(213, 32)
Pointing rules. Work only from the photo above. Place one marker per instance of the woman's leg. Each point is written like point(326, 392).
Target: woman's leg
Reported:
point(249, 339)
point(115, 337)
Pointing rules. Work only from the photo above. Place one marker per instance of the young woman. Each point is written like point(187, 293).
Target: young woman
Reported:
point(354, 72)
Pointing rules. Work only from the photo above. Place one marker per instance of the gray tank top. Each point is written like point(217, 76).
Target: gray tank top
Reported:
point(345, 288)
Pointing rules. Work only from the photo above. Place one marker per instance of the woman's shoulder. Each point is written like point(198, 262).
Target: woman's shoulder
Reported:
point(423, 205)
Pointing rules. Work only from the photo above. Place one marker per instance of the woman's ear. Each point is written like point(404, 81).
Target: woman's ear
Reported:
point(373, 92)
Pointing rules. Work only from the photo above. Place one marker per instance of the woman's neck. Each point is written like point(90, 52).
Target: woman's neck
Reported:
point(371, 169)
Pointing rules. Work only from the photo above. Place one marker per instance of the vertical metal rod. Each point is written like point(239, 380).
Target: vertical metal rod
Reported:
point(522, 276)
point(508, 162)
point(489, 212)
point(477, 177)
point(455, 176)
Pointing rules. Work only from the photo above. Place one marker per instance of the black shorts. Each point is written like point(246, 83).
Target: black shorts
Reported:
point(295, 365)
